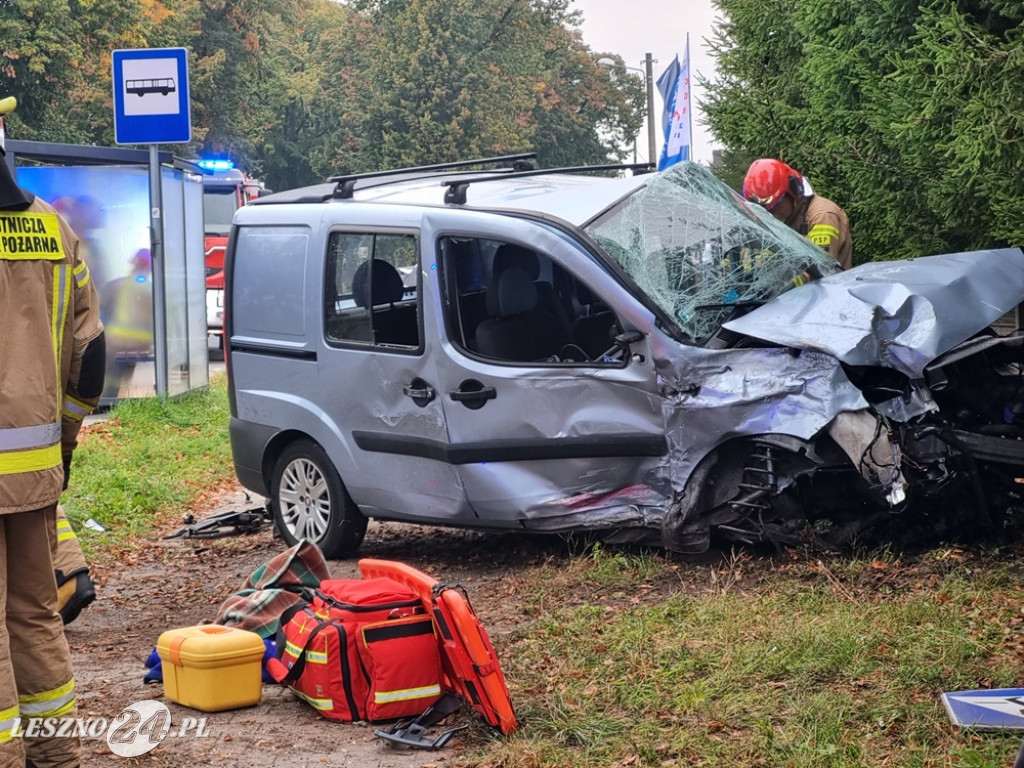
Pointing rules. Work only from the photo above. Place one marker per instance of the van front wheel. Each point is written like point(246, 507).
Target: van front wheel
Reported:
point(309, 502)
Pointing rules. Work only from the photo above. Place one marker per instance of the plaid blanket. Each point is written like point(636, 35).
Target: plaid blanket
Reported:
point(273, 587)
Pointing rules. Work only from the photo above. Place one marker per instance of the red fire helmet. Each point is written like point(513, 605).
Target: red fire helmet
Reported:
point(767, 180)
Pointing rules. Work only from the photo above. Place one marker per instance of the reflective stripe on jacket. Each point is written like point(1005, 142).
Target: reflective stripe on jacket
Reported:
point(50, 312)
point(9, 719)
point(825, 224)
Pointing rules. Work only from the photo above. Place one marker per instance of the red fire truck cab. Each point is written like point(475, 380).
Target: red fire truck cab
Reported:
point(225, 190)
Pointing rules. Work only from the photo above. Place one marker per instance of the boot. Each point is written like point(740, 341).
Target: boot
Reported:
point(74, 593)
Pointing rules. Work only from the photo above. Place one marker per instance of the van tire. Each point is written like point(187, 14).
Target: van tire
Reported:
point(309, 501)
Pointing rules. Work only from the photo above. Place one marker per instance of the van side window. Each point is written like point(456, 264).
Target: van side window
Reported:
point(371, 289)
point(509, 302)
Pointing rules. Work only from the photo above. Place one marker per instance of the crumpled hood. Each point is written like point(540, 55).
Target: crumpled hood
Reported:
point(899, 314)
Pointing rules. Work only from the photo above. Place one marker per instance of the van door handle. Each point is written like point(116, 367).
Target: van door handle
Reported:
point(420, 392)
point(473, 394)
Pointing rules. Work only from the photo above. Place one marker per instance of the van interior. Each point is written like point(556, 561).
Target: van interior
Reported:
point(510, 302)
point(504, 301)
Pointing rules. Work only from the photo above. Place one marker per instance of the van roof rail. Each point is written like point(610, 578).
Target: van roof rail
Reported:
point(346, 184)
point(456, 192)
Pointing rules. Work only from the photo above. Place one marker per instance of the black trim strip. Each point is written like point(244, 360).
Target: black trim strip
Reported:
point(295, 672)
point(473, 693)
point(446, 633)
point(256, 349)
point(525, 449)
point(346, 671)
point(341, 605)
point(396, 631)
point(992, 447)
point(281, 637)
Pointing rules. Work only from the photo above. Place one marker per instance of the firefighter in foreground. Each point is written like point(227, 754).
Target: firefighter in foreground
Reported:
point(787, 196)
point(51, 373)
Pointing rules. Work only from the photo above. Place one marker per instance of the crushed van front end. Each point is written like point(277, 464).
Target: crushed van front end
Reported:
point(802, 400)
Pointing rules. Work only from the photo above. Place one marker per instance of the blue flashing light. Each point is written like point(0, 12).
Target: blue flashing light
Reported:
point(215, 165)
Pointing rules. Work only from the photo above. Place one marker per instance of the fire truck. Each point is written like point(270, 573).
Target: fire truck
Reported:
point(225, 190)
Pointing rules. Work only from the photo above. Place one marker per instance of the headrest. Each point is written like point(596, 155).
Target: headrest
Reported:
point(584, 295)
point(387, 284)
point(511, 293)
point(512, 255)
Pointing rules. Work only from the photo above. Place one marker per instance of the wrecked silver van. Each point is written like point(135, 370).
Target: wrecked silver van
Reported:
point(647, 356)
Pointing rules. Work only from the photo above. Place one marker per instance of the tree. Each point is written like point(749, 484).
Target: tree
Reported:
point(437, 80)
point(230, 74)
point(964, 130)
point(904, 113)
point(56, 61)
point(588, 116)
point(301, 90)
point(340, 45)
point(287, 89)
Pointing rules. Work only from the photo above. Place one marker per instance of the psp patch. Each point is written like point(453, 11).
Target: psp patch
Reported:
point(25, 235)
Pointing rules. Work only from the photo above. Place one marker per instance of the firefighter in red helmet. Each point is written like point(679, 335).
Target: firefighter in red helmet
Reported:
point(785, 194)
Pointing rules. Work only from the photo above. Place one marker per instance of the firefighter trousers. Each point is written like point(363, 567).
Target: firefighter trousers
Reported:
point(69, 559)
point(36, 679)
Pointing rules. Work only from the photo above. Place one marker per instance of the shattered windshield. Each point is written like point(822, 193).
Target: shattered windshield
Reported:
point(700, 251)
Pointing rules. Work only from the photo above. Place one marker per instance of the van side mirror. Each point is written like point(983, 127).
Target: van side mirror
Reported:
point(623, 341)
point(627, 338)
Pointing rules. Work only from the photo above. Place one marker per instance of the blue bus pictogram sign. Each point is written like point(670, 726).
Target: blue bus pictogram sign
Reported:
point(151, 101)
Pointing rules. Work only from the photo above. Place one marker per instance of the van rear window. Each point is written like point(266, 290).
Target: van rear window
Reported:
point(371, 286)
point(270, 283)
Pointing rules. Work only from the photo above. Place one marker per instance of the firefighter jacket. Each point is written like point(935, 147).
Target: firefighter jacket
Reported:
point(128, 308)
point(824, 223)
point(49, 313)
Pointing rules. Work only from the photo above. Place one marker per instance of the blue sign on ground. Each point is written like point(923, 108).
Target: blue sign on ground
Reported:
point(151, 104)
point(986, 710)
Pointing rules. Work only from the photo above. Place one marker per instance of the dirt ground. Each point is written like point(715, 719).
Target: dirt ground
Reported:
point(166, 584)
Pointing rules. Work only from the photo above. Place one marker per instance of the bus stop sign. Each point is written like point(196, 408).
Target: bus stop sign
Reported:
point(151, 104)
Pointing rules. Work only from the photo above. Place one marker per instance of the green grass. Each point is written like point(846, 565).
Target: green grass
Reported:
point(151, 460)
point(625, 657)
point(807, 665)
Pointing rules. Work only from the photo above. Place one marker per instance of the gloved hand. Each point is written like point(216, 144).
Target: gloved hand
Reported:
point(67, 470)
point(807, 275)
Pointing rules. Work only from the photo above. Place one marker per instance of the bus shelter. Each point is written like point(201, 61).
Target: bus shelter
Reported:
point(153, 309)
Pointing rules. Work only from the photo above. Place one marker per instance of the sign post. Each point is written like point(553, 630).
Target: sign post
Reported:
point(151, 106)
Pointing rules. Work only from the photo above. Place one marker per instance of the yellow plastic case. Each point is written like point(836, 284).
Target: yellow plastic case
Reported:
point(211, 668)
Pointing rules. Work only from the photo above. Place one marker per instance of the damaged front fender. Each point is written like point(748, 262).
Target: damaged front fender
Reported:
point(745, 423)
point(714, 396)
